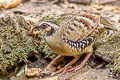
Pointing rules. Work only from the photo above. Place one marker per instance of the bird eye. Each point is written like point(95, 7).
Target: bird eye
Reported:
point(45, 25)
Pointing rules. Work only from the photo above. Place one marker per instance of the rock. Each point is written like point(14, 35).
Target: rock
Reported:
point(9, 3)
point(108, 49)
point(17, 44)
point(104, 1)
point(81, 1)
point(13, 40)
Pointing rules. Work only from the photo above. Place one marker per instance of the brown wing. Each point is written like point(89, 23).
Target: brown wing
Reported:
point(78, 27)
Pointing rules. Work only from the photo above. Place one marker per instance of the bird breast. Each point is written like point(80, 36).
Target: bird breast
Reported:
point(55, 44)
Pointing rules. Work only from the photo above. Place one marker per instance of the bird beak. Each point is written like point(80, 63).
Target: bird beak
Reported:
point(48, 29)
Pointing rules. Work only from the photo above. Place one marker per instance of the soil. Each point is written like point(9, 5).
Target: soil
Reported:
point(32, 11)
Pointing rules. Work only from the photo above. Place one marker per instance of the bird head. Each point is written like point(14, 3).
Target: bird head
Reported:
point(49, 26)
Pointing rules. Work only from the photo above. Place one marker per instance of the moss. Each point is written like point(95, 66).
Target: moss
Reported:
point(43, 47)
point(60, 19)
point(108, 48)
point(45, 18)
point(56, 18)
point(117, 67)
point(16, 45)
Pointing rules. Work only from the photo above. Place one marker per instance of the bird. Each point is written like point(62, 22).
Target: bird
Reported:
point(73, 35)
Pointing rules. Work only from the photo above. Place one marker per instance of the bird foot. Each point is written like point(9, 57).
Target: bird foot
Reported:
point(63, 70)
point(75, 69)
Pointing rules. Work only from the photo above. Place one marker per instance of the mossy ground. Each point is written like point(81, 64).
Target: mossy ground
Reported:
point(16, 45)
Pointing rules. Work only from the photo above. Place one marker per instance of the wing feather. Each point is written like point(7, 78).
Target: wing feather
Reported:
point(78, 27)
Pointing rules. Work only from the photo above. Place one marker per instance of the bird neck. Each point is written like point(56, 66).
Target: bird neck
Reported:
point(51, 32)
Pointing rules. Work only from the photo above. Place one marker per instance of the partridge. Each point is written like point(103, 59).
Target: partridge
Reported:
point(74, 35)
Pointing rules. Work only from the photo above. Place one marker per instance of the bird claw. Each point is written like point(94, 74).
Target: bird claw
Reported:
point(76, 70)
point(43, 75)
point(53, 74)
point(63, 69)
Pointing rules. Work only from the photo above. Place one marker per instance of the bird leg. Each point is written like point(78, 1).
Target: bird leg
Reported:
point(52, 66)
point(82, 63)
point(65, 68)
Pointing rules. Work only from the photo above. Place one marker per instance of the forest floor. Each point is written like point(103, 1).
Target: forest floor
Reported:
point(35, 12)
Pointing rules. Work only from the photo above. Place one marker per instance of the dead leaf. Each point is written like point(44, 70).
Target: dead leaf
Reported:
point(32, 71)
point(9, 3)
point(104, 8)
